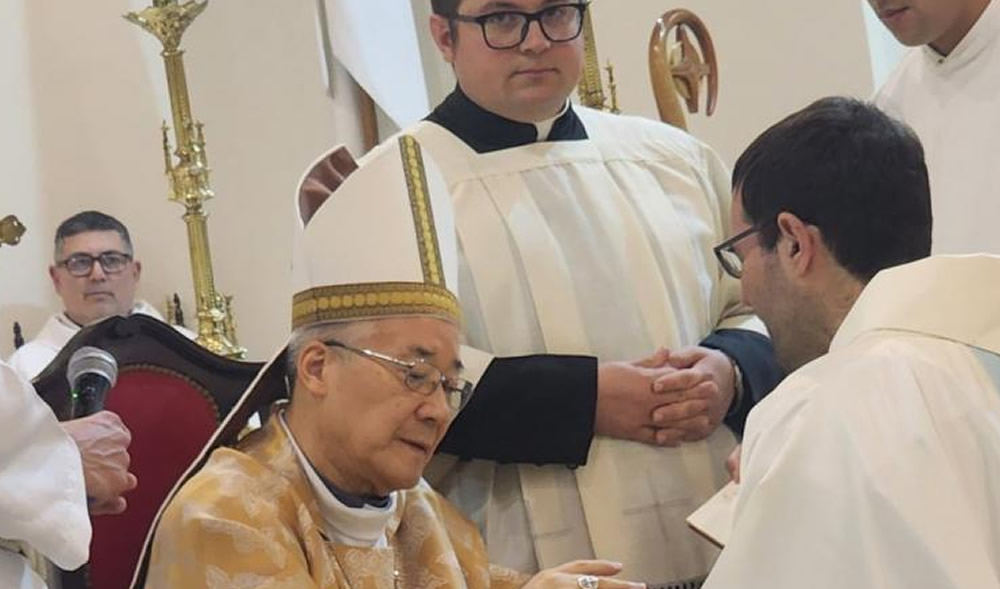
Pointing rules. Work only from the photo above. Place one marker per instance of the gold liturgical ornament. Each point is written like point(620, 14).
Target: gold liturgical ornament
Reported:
point(11, 230)
point(591, 86)
point(188, 176)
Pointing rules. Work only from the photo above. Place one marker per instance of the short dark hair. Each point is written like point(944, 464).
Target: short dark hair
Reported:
point(446, 8)
point(854, 172)
point(90, 221)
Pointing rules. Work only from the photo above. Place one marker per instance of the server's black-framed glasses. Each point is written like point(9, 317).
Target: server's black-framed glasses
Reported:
point(418, 376)
point(82, 264)
point(725, 252)
point(506, 29)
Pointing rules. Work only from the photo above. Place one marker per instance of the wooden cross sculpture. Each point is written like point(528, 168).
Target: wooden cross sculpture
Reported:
point(677, 69)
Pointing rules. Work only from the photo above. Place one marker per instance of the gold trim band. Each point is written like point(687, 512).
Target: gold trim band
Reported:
point(373, 300)
point(423, 215)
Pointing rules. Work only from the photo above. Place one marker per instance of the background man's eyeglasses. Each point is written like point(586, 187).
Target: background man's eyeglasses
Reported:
point(81, 265)
point(419, 376)
point(725, 252)
point(508, 28)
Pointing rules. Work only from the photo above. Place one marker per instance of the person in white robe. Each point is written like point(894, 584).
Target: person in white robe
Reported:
point(43, 505)
point(30, 359)
point(95, 275)
point(585, 242)
point(876, 462)
point(947, 88)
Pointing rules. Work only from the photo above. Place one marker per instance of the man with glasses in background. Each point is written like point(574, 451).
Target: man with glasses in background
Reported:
point(585, 244)
point(95, 274)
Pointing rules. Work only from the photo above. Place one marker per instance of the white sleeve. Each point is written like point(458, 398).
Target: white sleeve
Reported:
point(836, 495)
point(42, 496)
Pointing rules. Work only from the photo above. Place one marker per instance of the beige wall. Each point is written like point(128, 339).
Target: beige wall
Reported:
point(80, 114)
point(775, 56)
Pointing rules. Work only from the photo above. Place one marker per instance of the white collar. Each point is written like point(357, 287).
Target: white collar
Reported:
point(140, 307)
point(543, 128)
point(355, 526)
point(950, 297)
point(980, 37)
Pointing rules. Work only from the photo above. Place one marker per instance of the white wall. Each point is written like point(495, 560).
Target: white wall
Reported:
point(775, 56)
point(81, 111)
point(885, 51)
point(22, 293)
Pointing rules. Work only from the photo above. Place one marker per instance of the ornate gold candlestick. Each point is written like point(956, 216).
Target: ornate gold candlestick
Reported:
point(167, 20)
point(591, 88)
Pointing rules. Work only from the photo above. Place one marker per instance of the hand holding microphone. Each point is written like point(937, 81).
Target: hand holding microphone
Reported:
point(100, 435)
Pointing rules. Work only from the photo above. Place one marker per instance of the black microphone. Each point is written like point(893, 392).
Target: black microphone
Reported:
point(91, 374)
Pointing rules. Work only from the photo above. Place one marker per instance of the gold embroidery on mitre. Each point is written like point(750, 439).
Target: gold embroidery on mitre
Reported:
point(423, 215)
point(372, 300)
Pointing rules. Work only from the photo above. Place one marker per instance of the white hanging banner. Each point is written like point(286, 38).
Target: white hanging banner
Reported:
point(376, 40)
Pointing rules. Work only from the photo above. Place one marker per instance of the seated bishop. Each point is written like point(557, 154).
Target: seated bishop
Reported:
point(329, 492)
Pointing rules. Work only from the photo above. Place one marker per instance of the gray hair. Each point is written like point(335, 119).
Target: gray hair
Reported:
point(345, 332)
point(90, 221)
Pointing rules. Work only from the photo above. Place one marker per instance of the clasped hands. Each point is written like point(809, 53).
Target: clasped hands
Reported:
point(665, 399)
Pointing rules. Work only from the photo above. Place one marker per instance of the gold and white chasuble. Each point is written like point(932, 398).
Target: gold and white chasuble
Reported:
point(601, 247)
point(251, 518)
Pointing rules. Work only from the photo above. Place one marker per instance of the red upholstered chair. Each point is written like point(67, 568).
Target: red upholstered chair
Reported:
point(172, 394)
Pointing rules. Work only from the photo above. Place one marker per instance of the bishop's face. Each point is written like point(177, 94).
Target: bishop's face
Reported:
point(378, 434)
point(529, 82)
point(940, 23)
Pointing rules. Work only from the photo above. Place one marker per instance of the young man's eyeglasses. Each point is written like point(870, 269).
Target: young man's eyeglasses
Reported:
point(81, 264)
point(507, 29)
point(725, 252)
point(419, 376)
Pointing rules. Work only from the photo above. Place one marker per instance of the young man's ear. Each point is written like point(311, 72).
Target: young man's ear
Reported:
point(798, 242)
point(441, 32)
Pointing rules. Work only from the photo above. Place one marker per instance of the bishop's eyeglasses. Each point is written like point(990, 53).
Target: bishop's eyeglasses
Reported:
point(419, 376)
point(82, 264)
point(506, 29)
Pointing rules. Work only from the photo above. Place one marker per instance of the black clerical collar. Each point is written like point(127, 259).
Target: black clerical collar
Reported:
point(349, 499)
point(485, 131)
